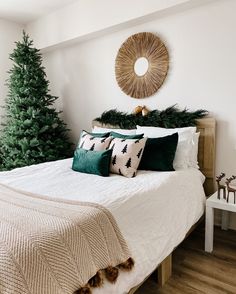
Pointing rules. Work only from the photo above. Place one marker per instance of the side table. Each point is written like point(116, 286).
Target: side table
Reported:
point(212, 203)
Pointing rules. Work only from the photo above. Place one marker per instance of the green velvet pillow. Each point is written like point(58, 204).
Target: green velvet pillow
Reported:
point(118, 135)
point(159, 153)
point(92, 162)
point(98, 135)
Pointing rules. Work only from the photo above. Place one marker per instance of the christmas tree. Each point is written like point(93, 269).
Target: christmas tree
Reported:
point(92, 147)
point(33, 132)
point(124, 149)
point(82, 145)
point(128, 163)
point(140, 151)
point(114, 160)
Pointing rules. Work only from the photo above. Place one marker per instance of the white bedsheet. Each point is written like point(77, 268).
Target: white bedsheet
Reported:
point(154, 210)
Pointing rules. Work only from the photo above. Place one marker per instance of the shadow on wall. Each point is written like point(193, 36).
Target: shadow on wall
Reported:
point(225, 148)
point(76, 107)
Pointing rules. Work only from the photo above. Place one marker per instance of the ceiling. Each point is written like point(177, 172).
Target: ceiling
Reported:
point(24, 11)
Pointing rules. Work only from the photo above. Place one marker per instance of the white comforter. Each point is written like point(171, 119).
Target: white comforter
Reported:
point(154, 210)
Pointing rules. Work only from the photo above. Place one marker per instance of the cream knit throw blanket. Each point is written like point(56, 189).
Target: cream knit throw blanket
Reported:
point(52, 246)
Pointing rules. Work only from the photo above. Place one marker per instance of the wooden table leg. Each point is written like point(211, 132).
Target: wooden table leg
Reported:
point(209, 229)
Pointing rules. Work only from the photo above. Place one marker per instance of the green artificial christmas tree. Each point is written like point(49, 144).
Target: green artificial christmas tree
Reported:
point(32, 132)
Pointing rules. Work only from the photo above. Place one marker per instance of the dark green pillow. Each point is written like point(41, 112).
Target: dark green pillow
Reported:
point(159, 153)
point(118, 135)
point(98, 135)
point(92, 162)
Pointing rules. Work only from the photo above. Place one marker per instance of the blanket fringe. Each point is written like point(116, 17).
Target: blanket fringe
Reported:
point(127, 265)
point(83, 290)
point(111, 274)
point(96, 281)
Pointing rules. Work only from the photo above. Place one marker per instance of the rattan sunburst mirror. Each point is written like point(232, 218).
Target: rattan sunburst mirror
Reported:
point(141, 65)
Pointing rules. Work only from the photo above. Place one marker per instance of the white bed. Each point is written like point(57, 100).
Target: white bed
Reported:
point(154, 210)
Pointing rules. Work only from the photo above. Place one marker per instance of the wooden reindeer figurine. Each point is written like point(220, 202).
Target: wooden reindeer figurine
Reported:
point(230, 189)
point(220, 186)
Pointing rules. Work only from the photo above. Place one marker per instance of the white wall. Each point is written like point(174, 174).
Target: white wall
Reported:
point(84, 19)
point(202, 46)
point(9, 33)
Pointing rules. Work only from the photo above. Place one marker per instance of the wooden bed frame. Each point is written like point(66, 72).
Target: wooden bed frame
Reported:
point(206, 158)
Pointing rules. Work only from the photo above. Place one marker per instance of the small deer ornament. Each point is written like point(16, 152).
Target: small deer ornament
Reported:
point(230, 189)
point(220, 186)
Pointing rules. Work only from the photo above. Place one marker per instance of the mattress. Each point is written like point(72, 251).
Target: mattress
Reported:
point(154, 210)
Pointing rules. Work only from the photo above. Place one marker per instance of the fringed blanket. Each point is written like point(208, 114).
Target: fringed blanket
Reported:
point(51, 246)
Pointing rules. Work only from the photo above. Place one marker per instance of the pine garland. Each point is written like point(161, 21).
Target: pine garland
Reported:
point(171, 117)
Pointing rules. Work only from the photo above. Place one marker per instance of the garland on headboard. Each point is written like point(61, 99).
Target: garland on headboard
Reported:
point(171, 117)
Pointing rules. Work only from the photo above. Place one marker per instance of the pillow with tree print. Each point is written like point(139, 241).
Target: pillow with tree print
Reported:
point(126, 156)
point(88, 141)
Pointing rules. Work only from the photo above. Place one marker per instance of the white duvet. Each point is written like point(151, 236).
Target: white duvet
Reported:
point(154, 210)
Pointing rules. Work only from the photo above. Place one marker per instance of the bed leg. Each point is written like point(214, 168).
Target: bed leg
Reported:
point(165, 270)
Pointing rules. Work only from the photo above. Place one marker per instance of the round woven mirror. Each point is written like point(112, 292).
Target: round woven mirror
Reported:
point(141, 65)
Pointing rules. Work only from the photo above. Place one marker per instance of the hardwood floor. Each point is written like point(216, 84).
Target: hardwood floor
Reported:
point(195, 271)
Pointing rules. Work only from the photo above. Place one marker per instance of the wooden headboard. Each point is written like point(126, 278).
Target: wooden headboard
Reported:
point(206, 151)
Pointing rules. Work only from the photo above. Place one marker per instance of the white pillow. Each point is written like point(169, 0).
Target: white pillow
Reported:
point(194, 152)
point(120, 131)
point(185, 143)
point(155, 132)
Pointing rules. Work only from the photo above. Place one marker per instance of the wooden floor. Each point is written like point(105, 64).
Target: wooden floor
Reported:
point(195, 271)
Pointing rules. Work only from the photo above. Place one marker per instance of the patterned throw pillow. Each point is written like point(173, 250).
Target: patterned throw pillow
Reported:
point(89, 142)
point(126, 155)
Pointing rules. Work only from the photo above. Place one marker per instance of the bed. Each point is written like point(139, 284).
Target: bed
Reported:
point(145, 207)
point(206, 160)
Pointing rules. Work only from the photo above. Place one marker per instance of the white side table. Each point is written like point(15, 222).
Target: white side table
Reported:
point(211, 203)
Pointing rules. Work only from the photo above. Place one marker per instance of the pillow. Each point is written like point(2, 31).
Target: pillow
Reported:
point(185, 142)
point(98, 135)
point(92, 162)
point(118, 135)
point(90, 142)
point(161, 132)
point(120, 131)
point(194, 152)
point(126, 156)
point(159, 153)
